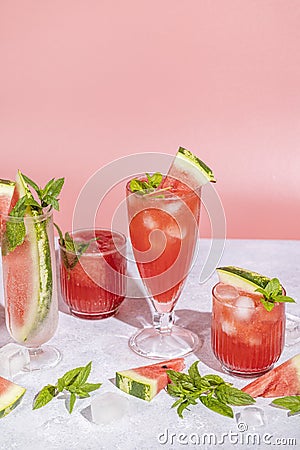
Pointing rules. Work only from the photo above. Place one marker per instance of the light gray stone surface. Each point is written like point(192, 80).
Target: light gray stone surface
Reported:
point(150, 425)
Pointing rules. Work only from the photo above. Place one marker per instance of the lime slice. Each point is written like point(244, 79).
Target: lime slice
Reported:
point(243, 279)
point(189, 169)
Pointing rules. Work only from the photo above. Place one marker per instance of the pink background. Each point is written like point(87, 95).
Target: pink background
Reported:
point(83, 82)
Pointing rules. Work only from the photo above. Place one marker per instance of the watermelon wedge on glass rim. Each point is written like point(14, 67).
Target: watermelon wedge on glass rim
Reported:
point(28, 264)
point(163, 214)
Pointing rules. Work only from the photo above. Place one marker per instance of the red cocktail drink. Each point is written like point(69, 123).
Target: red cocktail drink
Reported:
point(163, 226)
point(246, 338)
point(93, 283)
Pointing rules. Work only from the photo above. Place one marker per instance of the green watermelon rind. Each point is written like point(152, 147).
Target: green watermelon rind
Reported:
point(42, 275)
point(244, 279)
point(10, 399)
point(137, 385)
point(134, 383)
point(187, 155)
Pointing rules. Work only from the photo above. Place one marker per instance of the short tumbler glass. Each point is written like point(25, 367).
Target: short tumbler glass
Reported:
point(246, 338)
point(93, 284)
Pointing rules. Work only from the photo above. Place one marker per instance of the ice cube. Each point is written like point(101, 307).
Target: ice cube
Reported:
point(228, 328)
point(13, 359)
point(108, 407)
point(250, 417)
point(292, 330)
point(244, 308)
point(226, 292)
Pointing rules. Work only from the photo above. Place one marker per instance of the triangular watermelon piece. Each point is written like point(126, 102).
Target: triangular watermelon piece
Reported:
point(279, 382)
point(10, 396)
point(145, 382)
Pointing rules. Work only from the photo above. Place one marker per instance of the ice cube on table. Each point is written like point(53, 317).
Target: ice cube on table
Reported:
point(108, 407)
point(13, 359)
point(250, 417)
point(226, 292)
point(244, 308)
point(292, 330)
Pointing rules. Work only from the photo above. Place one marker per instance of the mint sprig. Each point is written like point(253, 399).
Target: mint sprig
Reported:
point(211, 390)
point(73, 382)
point(146, 186)
point(272, 293)
point(15, 229)
point(77, 248)
point(290, 402)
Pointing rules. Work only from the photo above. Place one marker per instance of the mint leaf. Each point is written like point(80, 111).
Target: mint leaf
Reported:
point(31, 183)
point(83, 375)
point(73, 381)
point(72, 402)
point(211, 390)
point(44, 396)
point(291, 402)
point(272, 293)
point(146, 187)
point(217, 406)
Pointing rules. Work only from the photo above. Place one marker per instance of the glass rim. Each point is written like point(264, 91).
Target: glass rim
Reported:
point(27, 218)
point(173, 197)
point(230, 305)
point(107, 252)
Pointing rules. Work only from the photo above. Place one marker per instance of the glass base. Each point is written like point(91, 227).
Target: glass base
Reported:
point(150, 343)
point(94, 316)
point(241, 374)
point(43, 357)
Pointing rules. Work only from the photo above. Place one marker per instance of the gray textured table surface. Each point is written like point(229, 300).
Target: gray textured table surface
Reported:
point(150, 425)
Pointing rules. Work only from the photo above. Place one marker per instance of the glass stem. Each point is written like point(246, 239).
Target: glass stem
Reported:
point(163, 322)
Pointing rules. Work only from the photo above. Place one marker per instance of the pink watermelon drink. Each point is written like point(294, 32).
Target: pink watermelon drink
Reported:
point(246, 338)
point(93, 283)
point(163, 232)
point(28, 263)
point(163, 215)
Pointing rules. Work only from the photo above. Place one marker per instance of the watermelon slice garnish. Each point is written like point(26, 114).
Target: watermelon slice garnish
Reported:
point(10, 396)
point(147, 381)
point(27, 273)
point(281, 381)
point(6, 192)
point(189, 169)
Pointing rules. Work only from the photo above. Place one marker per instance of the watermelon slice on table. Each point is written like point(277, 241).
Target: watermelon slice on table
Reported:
point(279, 382)
point(10, 396)
point(147, 381)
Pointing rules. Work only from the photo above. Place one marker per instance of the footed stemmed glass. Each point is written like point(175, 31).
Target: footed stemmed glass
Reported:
point(29, 280)
point(163, 227)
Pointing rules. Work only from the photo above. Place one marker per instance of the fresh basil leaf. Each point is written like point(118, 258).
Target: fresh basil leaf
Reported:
point(72, 402)
point(83, 375)
point(291, 402)
point(89, 387)
point(216, 406)
point(213, 380)
point(194, 372)
point(155, 179)
point(70, 376)
point(233, 396)
point(273, 287)
point(55, 187)
point(284, 299)
point(31, 183)
point(44, 396)
point(61, 237)
point(267, 304)
point(183, 405)
point(60, 384)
